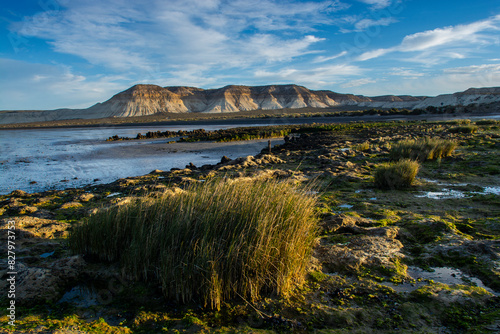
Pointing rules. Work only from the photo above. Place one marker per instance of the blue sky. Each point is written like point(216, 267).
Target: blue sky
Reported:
point(75, 53)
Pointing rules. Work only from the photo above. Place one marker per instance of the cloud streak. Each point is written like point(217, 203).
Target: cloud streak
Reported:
point(448, 37)
point(124, 35)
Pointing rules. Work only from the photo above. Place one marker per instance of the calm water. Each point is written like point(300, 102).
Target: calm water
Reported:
point(42, 159)
point(63, 158)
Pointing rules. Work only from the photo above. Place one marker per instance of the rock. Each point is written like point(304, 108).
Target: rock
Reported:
point(191, 166)
point(156, 171)
point(37, 227)
point(269, 159)
point(225, 159)
point(69, 268)
point(343, 223)
point(45, 214)
point(27, 209)
point(36, 284)
point(85, 197)
point(360, 251)
point(71, 205)
point(19, 193)
point(42, 200)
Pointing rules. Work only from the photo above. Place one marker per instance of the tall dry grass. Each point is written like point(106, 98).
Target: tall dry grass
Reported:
point(216, 241)
point(422, 149)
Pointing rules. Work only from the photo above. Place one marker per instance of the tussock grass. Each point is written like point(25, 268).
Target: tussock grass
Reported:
point(422, 149)
point(365, 146)
point(398, 175)
point(464, 129)
point(487, 122)
point(216, 241)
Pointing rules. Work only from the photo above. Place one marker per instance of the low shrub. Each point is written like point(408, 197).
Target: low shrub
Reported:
point(487, 122)
point(461, 121)
point(422, 149)
point(363, 146)
point(464, 129)
point(398, 175)
point(215, 241)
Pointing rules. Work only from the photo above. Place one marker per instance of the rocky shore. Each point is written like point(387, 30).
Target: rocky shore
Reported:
point(370, 269)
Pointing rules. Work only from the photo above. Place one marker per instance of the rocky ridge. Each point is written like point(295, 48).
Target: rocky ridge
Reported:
point(143, 100)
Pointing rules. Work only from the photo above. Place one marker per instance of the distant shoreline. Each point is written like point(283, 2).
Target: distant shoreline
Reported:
point(286, 120)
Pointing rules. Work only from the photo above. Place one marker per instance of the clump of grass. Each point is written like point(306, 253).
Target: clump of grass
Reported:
point(363, 146)
point(464, 129)
point(461, 121)
point(487, 122)
point(214, 242)
point(422, 149)
point(398, 175)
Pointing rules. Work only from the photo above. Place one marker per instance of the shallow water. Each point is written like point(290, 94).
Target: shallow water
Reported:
point(445, 275)
point(446, 193)
point(42, 159)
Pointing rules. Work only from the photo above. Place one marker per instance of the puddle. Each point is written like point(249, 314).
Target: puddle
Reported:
point(445, 275)
point(491, 190)
point(345, 206)
point(444, 194)
point(113, 194)
point(45, 255)
point(80, 296)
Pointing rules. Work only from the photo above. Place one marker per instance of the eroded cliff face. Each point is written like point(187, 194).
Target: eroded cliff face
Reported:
point(142, 100)
point(470, 96)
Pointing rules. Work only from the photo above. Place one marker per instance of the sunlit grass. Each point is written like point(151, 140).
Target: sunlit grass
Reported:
point(422, 149)
point(398, 175)
point(215, 241)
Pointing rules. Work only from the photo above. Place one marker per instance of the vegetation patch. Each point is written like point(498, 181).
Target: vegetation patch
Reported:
point(422, 149)
point(216, 241)
point(464, 129)
point(399, 175)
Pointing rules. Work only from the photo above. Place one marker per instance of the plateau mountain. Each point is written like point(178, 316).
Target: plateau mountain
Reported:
point(143, 100)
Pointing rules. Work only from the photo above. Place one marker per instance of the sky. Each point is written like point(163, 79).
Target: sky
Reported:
point(75, 53)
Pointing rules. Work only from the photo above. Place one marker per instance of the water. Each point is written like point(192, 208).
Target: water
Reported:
point(445, 275)
point(42, 159)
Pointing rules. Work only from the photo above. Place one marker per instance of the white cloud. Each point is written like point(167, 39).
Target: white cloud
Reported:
point(314, 78)
point(129, 36)
point(39, 86)
point(446, 81)
point(378, 4)
point(405, 72)
point(357, 83)
point(461, 36)
point(367, 23)
point(322, 59)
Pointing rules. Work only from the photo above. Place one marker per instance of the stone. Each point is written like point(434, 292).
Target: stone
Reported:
point(361, 251)
point(71, 205)
point(19, 193)
point(225, 159)
point(37, 227)
point(85, 197)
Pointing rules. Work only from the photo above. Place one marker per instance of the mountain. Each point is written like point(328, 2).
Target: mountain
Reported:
point(141, 100)
point(470, 96)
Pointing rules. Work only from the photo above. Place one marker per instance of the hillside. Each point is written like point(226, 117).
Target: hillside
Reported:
point(143, 100)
